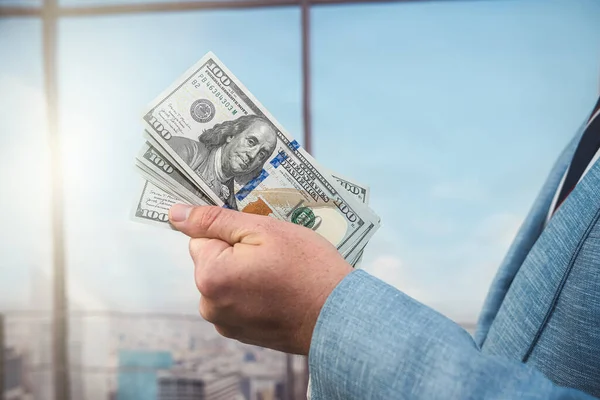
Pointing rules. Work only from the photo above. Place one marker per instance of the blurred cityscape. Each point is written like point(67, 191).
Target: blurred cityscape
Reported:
point(131, 356)
point(115, 356)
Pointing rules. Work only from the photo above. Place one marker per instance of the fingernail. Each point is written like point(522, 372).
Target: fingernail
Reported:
point(179, 212)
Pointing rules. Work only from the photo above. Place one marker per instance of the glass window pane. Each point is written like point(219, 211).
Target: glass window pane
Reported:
point(453, 112)
point(24, 149)
point(110, 68)
point(25, 238)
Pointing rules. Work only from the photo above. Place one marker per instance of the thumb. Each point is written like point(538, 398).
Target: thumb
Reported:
point(212, 222)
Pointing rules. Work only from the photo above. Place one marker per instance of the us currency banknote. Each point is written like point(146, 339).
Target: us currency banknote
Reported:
point(149, 159)
point(155, 199)
point(361, 194)
point(156, 196)
point(359, 191)
point(152, 205)
point(151, 177)
point(161, 192)
point(220, 138)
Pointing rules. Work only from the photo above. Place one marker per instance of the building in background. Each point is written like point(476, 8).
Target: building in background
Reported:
point(138, 371)
point(263, 382)
point(15, 384)
point(180, 387)
point(182, 357)
point(189, 385)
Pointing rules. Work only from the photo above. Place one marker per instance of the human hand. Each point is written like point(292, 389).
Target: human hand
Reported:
point(262, 281)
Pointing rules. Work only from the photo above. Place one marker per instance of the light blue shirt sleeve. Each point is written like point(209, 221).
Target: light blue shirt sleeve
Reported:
point(372, 341)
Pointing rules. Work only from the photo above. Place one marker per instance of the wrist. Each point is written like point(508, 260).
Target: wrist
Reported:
point(313, 312)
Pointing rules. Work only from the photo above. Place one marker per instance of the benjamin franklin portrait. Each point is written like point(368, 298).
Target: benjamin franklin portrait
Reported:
point(232, 151)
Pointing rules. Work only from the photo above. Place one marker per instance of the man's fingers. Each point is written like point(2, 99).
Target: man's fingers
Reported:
point(214, 222)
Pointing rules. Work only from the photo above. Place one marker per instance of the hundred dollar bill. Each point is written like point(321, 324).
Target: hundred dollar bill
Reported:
point(359, 191)
point(151, 160)
point(231, 147)
point(361, 194)
point(162, 194)
point(156, 181)
point(152, 205)
point(353, 252)
point(166, 156)
point(156, 198)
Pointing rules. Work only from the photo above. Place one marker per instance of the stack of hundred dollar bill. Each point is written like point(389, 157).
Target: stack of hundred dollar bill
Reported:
point(210, 142)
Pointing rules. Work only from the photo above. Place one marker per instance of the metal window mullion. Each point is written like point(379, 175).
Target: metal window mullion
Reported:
point(60, 367)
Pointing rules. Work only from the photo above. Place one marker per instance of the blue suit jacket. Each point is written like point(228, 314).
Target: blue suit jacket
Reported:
point(538, 335)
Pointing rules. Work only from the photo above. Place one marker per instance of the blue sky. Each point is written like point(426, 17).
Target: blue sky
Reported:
point(452, 112)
